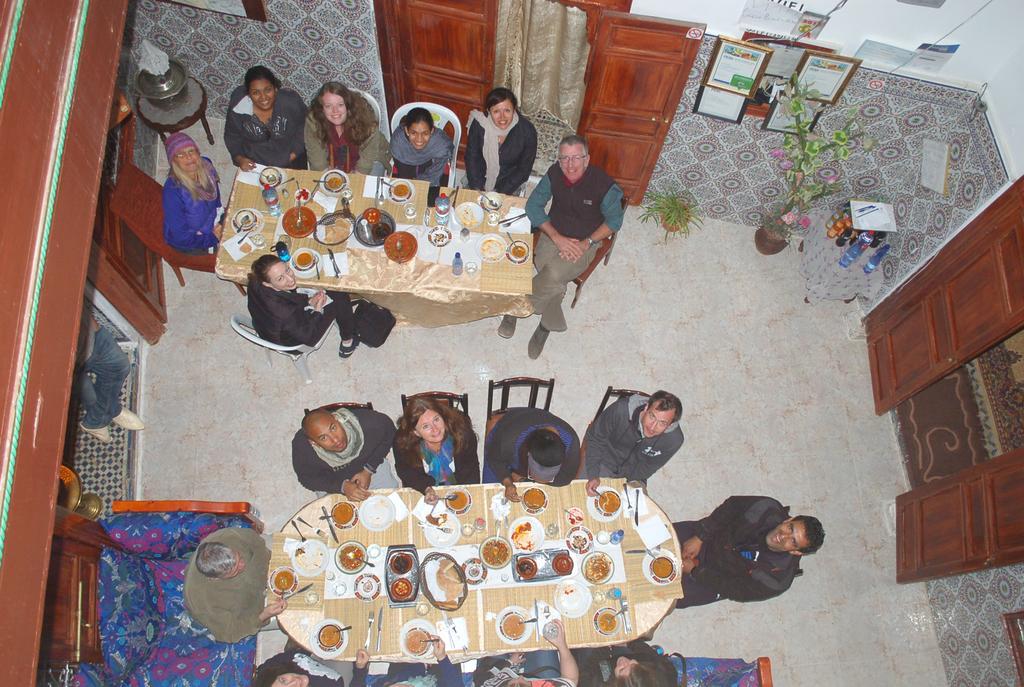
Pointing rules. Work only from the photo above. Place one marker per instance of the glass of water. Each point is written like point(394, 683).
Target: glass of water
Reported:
point(471, 267)
point(409, 209)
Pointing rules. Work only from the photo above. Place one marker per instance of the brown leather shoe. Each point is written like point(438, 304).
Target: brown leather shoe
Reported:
point(537, 342)
point(507, 327)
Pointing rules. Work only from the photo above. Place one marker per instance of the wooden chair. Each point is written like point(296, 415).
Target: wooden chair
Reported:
point(351, 404)
point(617, 393)
point(454, 400)
point(242, 509)
point(137, 201)
point(535, 384)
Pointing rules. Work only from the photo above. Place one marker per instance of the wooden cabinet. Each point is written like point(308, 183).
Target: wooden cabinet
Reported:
point(968, 298)
point(965, 522)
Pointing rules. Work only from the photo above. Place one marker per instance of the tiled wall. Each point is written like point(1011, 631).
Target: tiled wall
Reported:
point(726, 166)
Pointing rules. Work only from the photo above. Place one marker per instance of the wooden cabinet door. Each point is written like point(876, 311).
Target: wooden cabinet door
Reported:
point(965, 522)
point(638, 68)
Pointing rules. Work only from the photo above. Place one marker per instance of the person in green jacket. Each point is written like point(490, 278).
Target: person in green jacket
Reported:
point(342, 133)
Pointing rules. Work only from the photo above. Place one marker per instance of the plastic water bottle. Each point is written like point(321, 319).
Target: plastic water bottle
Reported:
point(272, 200)
point(617, 536)
point(876, 258)
point(457, 264)
point(851, 254)
point(442, 208)
point(281, 248)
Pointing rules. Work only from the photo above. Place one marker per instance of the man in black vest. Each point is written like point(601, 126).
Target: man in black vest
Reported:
point(586, 207)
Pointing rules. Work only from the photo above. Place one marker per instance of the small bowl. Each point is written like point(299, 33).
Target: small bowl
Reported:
point(300, 255)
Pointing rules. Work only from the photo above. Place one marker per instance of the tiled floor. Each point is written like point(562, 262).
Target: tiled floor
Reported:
point(777, 401)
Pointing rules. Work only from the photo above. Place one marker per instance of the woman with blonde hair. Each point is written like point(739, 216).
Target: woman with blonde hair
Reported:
point(341, 132)
point(435, 446)
point(191, 198)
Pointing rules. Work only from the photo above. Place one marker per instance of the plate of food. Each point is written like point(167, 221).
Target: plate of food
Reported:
point(574, 516)
point(518, 252)
point(247, 219)
point(440, 237)
point(535, 500)
point(459, 501)
point(606, 505)
point(283, 580)
point(299, 222)
point(377, 513)
point(527, 534)
point(344, 514)
point(328, 639)
point(510, 624)
point(271, 176)
point(310, 558)
point(333, 181)
point(660, 570)
point(598, 567)
point(445, 533)
point(469, 215)
point(400, 247)
point(443, 582)
point(476, 571)
point(495, 552)
point(415, 638)
point(580, 540)
point(351, 557)
point(367, 587)
point(401, 190)
point(606, 621)
point(572, 598)
point(492, 247)
point(304, 261)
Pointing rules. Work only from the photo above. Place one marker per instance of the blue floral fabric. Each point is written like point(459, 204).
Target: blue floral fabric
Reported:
point(149, 638)
point(718, 672)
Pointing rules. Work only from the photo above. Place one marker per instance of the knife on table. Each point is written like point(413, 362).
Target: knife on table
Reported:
point(536, 616)
point(303, 538)
point(329, 523)
point(380, 626)
point(297, 591)
point(636, 510)
point(337, 272)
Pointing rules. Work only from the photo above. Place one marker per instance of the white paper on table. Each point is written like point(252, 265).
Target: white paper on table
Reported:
point(234, 245)
point(370, 187)
point(421, 510)
point(328, 267)
point(252, 178)
point(401, 510)
point(454, 634)
point(520, 226)
point(425, 250)
point(633, 500)
point(653, 532)
point(328, 203)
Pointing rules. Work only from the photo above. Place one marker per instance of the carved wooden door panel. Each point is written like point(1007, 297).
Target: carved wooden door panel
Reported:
point(638, 68)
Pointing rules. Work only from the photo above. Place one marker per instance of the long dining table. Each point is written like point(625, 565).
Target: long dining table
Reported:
point(423, 291)
point(326, 593)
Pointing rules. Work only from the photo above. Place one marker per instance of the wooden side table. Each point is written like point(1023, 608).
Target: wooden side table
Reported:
point(188, 107)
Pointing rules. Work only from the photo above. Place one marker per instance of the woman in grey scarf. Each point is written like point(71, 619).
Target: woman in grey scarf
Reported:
point(420, 150)
point(501, 145)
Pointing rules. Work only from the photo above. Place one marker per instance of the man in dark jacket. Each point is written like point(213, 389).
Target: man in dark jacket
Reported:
point(748, 549)
point(343, 451)
point(530, 444)
point(633, 438)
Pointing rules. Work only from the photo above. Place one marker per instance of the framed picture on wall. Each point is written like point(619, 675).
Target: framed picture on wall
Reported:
point(737, 66)
point(828, 74)
point(712, 102)
point(779, 119)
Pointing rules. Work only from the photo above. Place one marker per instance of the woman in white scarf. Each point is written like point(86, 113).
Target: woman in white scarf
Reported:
point(501, 145)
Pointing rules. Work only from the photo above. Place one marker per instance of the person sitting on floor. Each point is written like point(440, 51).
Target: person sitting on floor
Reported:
point(748, 549)
point(435, 446)
point(191, 198)
point(341, 132)
point(344, 451)
point(226, 583)
point(530, 444)
point(296, 668)
point(284, 315)
point(441, 674)
point(633, 438)
point(421, 150)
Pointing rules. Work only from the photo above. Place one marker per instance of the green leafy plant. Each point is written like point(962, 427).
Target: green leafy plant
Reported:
point(802, 155)
point(675, 211)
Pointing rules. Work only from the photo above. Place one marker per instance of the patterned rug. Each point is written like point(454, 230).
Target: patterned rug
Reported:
point(1002, 391)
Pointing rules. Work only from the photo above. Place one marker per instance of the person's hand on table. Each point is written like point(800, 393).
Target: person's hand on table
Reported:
point(516, 658)
point(439, 649)
point(362, 659)
point(510, 490)
point(430, 496)
point(353, 491)
point(558, 638)
point(244, 163)
point(691, 548)
point(272, 609)
point(362, 478)
point(592, 484)
point(687, 565)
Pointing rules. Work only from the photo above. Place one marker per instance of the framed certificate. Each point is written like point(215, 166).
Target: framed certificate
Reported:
point(737, 66)
point(712, 102)
point(827, 74)
point(779, 119)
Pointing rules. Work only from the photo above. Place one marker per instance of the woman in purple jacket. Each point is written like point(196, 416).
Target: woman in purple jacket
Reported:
point(191, 198)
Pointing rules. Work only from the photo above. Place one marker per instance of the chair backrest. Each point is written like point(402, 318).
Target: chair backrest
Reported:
point(375, 106)
point(348, 404)
point(244, 328)
point(456, 401)
point(443, 117)
point(535, 385)
point(617, 393)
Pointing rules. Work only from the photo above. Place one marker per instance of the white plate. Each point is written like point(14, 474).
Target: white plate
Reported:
point(314, 548)
point(645, 566)
point(597, 555)
point(272, 176)
point(573, 598)
point(438, 538)
point(391, 190)
point(525, 614)
point(583, 532)
point(469, 215)
point(495, 254)
point(252, 217)
point(416, 623)
point(312, 267)
point(439, 237)
point(333, 173)
point(315, 643)
point(377, 513)
point(597, 514)
point(534, 541)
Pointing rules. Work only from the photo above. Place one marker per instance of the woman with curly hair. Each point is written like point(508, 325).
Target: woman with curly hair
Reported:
point(435, 446)
point(341, 132)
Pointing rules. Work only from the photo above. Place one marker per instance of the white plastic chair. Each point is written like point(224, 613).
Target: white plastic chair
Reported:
point(376, 108)
point(442, 118)
point(298, 354)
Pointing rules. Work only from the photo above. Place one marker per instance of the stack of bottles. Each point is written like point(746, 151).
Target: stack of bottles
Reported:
point(840, 228)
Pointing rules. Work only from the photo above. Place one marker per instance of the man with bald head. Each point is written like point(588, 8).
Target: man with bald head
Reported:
point(344, 451)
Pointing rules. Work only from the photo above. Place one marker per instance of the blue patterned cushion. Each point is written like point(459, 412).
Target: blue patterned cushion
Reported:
point(719, 672)
point(165, 535)
point(130, 623)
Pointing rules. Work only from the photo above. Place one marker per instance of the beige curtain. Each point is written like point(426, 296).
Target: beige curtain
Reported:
point(541, 55)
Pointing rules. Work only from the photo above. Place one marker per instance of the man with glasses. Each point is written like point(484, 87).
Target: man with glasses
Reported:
point(586, 207)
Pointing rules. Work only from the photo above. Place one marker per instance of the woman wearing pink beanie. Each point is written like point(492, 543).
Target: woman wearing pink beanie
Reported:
point(191, 198)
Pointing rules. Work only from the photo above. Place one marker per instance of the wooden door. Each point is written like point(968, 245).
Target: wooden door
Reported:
point(968, 521)
point(968, 298)
point(636, 74)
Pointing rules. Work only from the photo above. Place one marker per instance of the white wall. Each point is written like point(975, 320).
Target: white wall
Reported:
point(989, 45)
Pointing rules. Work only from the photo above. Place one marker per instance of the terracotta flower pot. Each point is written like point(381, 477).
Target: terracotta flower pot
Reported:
point(768, 242)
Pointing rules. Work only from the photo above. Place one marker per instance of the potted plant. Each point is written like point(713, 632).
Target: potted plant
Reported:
point(675, 211)
point(801, 156)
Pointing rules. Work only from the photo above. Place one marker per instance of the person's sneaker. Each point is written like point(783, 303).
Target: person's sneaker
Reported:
point(129, 420)
point(537, 342)
point(345, 350)
point(507, 327)
point(100, 433)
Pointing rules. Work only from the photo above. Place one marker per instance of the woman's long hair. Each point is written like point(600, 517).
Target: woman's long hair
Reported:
point(259, 269)
point(456, 425)
point(202, 188)
point(360, 121)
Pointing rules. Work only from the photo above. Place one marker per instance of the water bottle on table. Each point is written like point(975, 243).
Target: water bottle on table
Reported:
point(442, 208)
point(457, 264)
point(272, 200)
